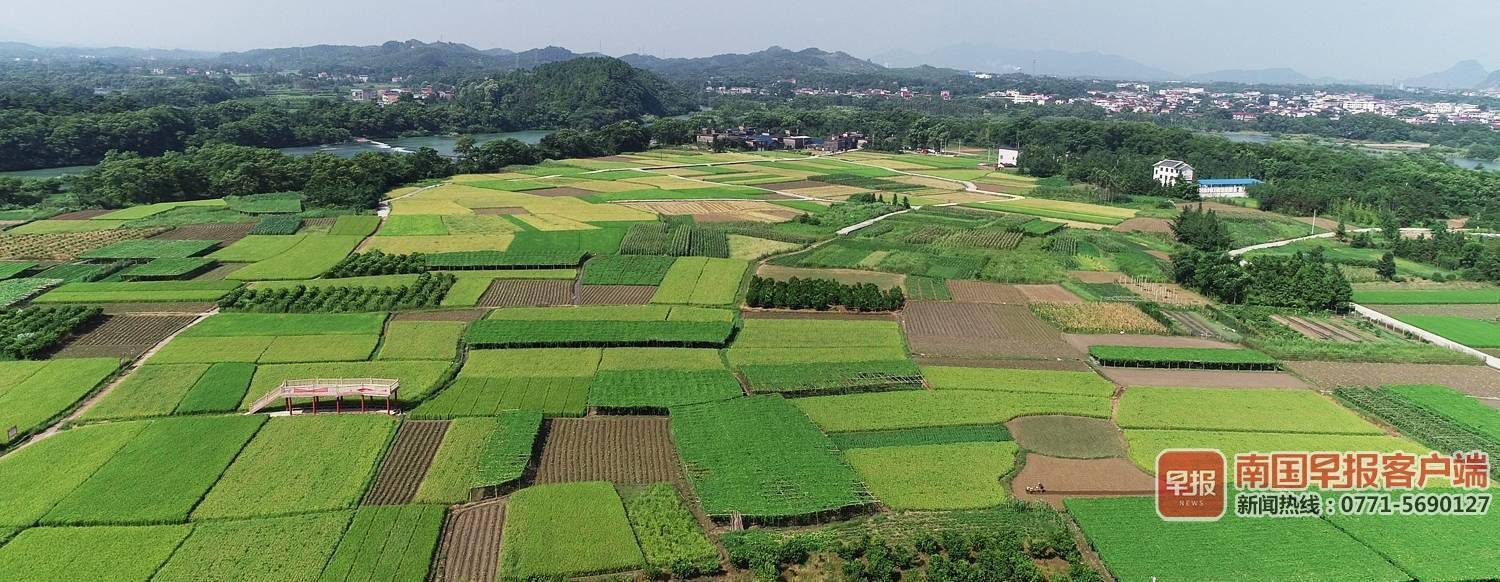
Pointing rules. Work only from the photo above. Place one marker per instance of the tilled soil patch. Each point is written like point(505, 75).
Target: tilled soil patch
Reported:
point(561, 191)
point(124, 336)
point(221, 232)
point(1080, 478)
point(163, 307)
point(82, 214)
point(441, 315)
point(615, 294)
point(503, 210)
point(1055, 365)
point(1048, 294)
point(1481, 311)
point(1098, 276)
point(471, 542)
point(527, 293)
point(1479, 381)
point(1082, 341)
point(1156, 225)
point(985, 330)
point(619, 449)
point(983, 292)
point(1202, 378)
point(406, 462)
point(1073, 437)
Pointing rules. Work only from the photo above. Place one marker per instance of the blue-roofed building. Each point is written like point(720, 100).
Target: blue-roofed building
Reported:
point(1226, 187)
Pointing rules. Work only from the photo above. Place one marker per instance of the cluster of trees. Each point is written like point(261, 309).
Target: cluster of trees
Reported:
point(946, 556)
point(377, 263)
point(1297, 281)
point(427, 291)
point(822, 294)
point(1475, 258)
point(1201, 230)
point(32, 331)
point(47, 126)
point(217, 170)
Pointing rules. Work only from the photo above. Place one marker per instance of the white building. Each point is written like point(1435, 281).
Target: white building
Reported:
point(1226, 188)
point(1169, 172)
point(1007, 157)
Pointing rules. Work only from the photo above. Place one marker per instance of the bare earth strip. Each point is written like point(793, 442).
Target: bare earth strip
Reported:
point(1073, 365)
point(471, 541)
point(839, 315)
point(157, 308)
point(406, 462)
point(983, 292)
point(1156, 225)
point(619, 449)
point(1099, 276)
point(1080, 478)
point(124, 336)
point(1082, 341)
point(1048, 294)
point(615, 294)
point(441, 315)
point(1482, 382)
point(1202, 378)
point(527, 293)
point(982, 330)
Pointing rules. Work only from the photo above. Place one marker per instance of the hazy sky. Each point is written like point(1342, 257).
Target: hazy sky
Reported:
point(1368, 39)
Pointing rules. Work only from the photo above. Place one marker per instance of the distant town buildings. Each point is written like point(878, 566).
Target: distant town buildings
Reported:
point(1170, 172)
point(393, 96)
point(1226, 187)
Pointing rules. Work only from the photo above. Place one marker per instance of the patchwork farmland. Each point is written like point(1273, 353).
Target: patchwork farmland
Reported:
point(685, 364)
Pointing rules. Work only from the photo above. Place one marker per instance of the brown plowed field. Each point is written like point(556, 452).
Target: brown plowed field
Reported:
point(526, 293)
point(1073, 437)
point(1202, 378)
point(219, 272)
point(124, 336)
point(471, 542)
point(793, 185)
point(82, 214)
point(1082, 341)
point(1481, 311)
point(982, 292)
point(1158, 225)
point(1480, 381)
point(1057, 365)
point(440, 315)
point(1048, 294)
point(164, 307)
point(619, 449)
point(406, 462)
point(1098, 276)
point(615, 294)
point(503, 210)
point(984, 330)
point(561, 191)
point(222, 232)
point(1080, 478)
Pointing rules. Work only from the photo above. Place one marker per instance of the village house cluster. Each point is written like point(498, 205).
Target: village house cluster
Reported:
point(752, 139)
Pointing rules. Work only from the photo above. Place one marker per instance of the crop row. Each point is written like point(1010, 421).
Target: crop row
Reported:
point(277, 224)
point(426, 291)
point(553, 333)
point(1204, 358)
point(377, 263)
point(151, 249)
point(503, 260)
point(26, 333)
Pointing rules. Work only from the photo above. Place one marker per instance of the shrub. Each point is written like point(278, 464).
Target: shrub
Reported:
point(426, 291)
point(29, 332)
point(377, 263)
point(821, 294)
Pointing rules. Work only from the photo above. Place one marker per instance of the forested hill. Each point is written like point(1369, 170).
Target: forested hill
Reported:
point(47, 126)
point(585, 92)
point(412, 57)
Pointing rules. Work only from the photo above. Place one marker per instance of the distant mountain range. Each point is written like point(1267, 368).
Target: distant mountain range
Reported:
point(994, 59)
point(417, 57)
point(1462, 75)
point(770, 62)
